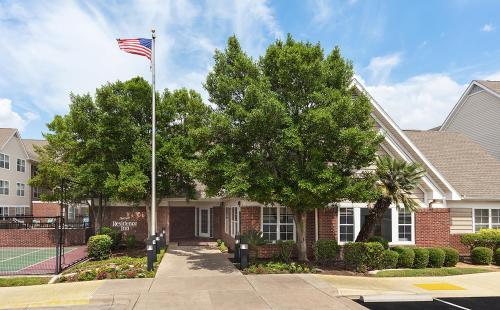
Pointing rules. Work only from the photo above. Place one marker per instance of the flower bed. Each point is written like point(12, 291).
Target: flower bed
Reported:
point(272, 267)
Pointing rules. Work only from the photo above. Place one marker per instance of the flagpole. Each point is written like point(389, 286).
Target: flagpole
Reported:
point(153, 140)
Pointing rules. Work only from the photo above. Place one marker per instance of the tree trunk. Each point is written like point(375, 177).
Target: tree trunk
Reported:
point(300, 218)
point(373, 218)
point(98, 218)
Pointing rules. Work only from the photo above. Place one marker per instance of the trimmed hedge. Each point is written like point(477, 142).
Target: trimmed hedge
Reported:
point(115, 235)
point(406, 256)
point(389, 259)
point(421, 258)
point(451, 257)
point(379, 239)
point(497, 257)
point(355, 256)
point(436, 257)
point(489, 238)
point(481, 255)
point(326, 251)
point(373, 254)
point(99, 247)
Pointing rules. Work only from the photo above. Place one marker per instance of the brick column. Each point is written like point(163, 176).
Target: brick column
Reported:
point(432, 227)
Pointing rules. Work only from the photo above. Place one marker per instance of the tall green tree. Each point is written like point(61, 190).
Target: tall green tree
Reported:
point(105, 144)
point(396, 180)
point(287, 129)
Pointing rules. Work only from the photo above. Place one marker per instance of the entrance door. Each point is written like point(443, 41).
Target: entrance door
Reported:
point(204, 222)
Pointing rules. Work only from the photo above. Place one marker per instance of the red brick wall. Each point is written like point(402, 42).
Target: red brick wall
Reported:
point(39, 237)
point(455, 242)
point(46, 209)
point(250, 219)
point(116, 216)
point(432, 227)
point(327, 223)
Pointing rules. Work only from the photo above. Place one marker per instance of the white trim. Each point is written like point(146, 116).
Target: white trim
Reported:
point(490, 223)
point(377, 107)
point(207, 234)
point(278, 223)
point(24, 166)
point(5, 154)
point(462, 100)
point(8, 188)
point(16, 132)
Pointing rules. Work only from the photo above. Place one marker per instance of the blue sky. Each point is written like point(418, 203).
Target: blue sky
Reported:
point(414, 57)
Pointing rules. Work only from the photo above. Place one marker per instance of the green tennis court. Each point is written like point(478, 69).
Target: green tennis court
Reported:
point(13, 260)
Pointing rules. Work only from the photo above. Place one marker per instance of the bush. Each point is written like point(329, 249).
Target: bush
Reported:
point(389, 259)
point(489, 238)
point(373, 254)
point(421, 258)
point(355, 256)
point(253, 238)
point(379, 239)
point(436, 257)
point(497, 257)
point(481, 255)
point(131, 242)
point(115, 235)
point(99, 247)
point(222, 246)
point(285, 249)
point(406, 256)
point(450, 257)
point(326, 251)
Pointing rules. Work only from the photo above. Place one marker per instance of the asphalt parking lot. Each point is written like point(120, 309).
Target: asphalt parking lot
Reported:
point(464, 303)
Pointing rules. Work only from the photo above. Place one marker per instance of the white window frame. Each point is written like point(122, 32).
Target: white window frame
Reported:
point(394, 225)
point(227, 220)
point(278, 224)
point(3, 161)
point(23, 211)
point(234, 219)
point(5, 187)
point(20, 189)
point(490, 218)
point(21, 165)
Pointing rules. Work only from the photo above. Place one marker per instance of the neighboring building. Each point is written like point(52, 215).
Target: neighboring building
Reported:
point(446, 201)
point(477, 115)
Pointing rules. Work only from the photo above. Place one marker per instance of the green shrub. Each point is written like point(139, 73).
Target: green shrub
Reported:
point(285, 249)
point(389, 259)
point(451, 257)
point(99, 247)
point(222, 246)
point(373, 255)
point(115, 235)
point(326, 251)
point(219, 242)
point(497, 257)
point(481, 255)
point(406, 256)
point(436, 257)
point(355, 256)
point(131, 242)
point(253, 238)
point(87, 275)
point(379, 239)
point(489, 238)
point(421, 258)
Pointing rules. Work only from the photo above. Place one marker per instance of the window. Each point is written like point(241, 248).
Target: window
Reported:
point(20, 211)
point(4, 212)
point(495, 218)
point(36, 192)
point(4, 161)
point(277, 224)
point(4, 187)
point(346, 224)
point(404, 225)
point(20, 189)
point(481, 219)
point(234, 221)
point(383, 229)
point(71, 213)
point(227, 219)
point(21, 165)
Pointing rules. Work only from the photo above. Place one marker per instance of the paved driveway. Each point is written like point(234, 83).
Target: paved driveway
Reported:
point(192, 277)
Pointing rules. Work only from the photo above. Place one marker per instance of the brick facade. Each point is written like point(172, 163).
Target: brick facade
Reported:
point(46, 209)
point(432, 227)
point(40, 237)
point(327, 223)
point(455, 242)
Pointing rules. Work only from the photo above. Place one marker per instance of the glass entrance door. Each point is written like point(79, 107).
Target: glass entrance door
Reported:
point(204, 222)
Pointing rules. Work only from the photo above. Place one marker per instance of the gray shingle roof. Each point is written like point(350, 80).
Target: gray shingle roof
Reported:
point(492, 85)
point(30, 146)
point(470, 169)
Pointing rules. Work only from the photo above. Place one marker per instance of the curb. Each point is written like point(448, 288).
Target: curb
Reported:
point(396, 298)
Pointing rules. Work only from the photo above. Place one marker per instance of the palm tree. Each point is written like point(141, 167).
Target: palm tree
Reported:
point(396, 180)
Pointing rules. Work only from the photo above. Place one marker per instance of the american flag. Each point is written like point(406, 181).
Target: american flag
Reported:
point(138, 46)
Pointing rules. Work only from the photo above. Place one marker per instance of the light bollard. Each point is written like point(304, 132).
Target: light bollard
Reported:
point(158, 244)
point(162, 240)
point(153, 242)
point(151, 255)
point(237, 250)
point(243, 256)
point(164, 237)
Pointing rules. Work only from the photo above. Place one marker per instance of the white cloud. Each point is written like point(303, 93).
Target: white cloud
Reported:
point(380, 67)
point(69, 46)
point(322, 11)
point(420, 102)
point(488, 28)
point(11, 119)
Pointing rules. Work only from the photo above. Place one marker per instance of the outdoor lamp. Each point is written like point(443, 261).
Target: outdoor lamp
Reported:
point(153, 241)
point(237, 249)
point(243, 256)
point(151, 256)
point(158, 244)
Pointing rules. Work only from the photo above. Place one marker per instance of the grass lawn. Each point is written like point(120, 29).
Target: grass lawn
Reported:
point(23, 281)
point(430, 272)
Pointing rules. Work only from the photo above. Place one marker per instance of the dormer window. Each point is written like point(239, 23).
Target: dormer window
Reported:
point(21, 165)
point(4, 161)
